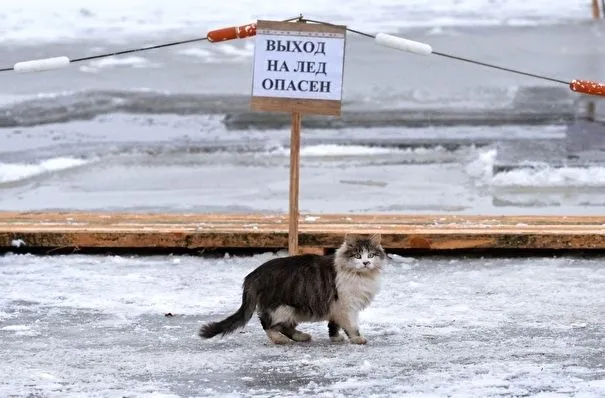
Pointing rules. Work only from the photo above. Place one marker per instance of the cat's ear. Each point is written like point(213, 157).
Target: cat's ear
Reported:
point(375, 239)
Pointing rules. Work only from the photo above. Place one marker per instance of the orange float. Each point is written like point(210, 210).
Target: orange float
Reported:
point(232, 32)
point(587, 87)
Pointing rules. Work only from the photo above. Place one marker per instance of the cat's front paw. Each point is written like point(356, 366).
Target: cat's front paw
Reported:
point(358, 340)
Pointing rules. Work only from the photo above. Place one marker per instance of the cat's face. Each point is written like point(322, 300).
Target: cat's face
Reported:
point(362, 254)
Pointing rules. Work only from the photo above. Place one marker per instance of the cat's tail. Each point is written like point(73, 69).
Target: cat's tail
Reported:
point(235, 321)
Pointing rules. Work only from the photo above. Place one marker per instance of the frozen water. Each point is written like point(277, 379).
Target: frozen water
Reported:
point(131, 62)
point(10, 172)
point(38, 20)
point(97, 326)
point(192, 163)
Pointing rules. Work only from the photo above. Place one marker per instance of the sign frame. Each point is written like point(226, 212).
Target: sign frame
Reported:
point(301, 31)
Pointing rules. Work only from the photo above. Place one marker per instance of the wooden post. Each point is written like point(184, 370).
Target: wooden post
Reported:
point(596, 13)
point(294, 182)
point(298, 68)
point(591, 107)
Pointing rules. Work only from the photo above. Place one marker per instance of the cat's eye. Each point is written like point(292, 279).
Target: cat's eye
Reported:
point(358, 255)
point(370, 255)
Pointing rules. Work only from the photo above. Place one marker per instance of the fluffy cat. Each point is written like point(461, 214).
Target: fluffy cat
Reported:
point(290, 290)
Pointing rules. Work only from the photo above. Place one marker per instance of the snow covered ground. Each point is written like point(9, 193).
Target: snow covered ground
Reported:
point(96, 326)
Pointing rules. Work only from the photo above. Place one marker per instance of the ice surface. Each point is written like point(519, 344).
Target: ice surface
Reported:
point(546, 176)
point(31, 21)
point(128, 61)
point(10, 172)
point(96, 326)
point(326, 150)
point(184, 163)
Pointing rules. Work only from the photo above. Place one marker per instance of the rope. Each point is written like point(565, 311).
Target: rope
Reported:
point(501, 68)
point(455, 57)
point(134, 50)
point(302, 19)
point(129, 51)
point(140, 49)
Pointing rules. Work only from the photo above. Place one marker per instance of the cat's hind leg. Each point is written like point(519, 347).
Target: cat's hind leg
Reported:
point(334, 332)
point(277, 337)
point(301, 336)
point(290, 331)
point(286, 318)
point(273, 333)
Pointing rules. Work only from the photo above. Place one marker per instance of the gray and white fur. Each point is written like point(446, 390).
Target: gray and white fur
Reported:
point(287, 291)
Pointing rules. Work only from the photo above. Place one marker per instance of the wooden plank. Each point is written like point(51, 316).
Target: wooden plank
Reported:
point(282, 26)
point(305, 106)
point(195, 231)
point(310, 218)
point(251, 240)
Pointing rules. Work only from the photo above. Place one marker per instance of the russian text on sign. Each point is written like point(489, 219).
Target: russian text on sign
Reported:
point(316, 86)
point(299, 63)
point(300, 46)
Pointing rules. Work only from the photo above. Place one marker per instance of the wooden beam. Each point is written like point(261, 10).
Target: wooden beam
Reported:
point(316, 232)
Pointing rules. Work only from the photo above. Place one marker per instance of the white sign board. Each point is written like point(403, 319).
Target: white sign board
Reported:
point(298, 61)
